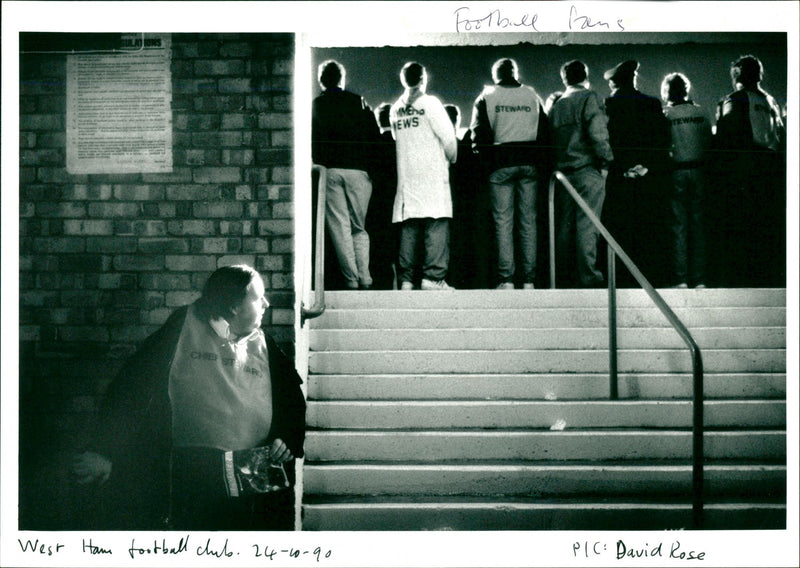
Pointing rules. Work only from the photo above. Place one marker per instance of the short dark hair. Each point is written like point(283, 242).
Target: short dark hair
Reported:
point(330, 74)
point(675, 87)
point(747, 70)
point(574, 72)
point(382, 115)
point(453, 112)
point(225, 289)
point(504, 70)
point(412, 73)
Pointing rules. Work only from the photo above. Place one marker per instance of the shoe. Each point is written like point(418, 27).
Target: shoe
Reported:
point(435, 285)
point(352, 285)
point(528, 286)
point(406, 286)
point(365, 286)
point(505, 286)
point(700, 287)
point(681, 285)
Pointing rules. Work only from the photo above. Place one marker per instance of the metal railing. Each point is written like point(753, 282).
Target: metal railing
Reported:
point(614, 250)
point(318, 307)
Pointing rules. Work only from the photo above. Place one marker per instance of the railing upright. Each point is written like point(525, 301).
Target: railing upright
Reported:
point(615, 250)
point(318, 307)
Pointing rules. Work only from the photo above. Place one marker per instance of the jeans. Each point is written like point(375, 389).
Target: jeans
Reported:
point(687, 226)
point(573, 226)
point(436, 234)
point(347, 198)
point(509, 185)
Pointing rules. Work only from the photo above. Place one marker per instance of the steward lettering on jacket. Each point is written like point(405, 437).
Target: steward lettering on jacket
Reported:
point(517, 108)
point(688, 120)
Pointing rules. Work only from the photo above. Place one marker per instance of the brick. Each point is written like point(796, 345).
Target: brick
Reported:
point(52, 140)
point(184, 50)
point(156, 317)
point(217, 175)
point(85, 299)
point(84, 333)
point(217, 139)
point(191, 263)
point(150, 209)
point(282, 317)
point(115, 209)
point(27, 139)
point(237, 85)
point(231, 228)
point(63, 210)
point(203, 122)
point(177, 175)
point(130, 334)
point(27, 209)
point(27, 175)
point(282, 300)
point(152, 300)
point(216, 245)
point(237, 121)
point(255, 245)
point(282, 67)
point(92, 227)
point(53, 175)
point(138, 262)
point(283, 210)
point(166, 246)
point(109, 281)
point(269, 192)
point(218, 209)
point(190, 227)
point(195, 157)
point(259, 103)
point(40, 298)
point(281, 281)
point(274, 263)
point(219, 103)
point(275, 227)
point(111, 245)
point(192, 192)
point(169, 210)
point(85, 263)
point(236, 49)
point(41, 122)
point(150, 228)
point(244, 192)
point(283, 174)
point(138, 192)
point(165, 282)
point(48, 156)
point(219, 67)
point(29, 333)
point(177, 299)
point(182, 68)
point(283, 103)
point(282, 245)
point(59, 245)
point(238, 157)
point(281, 138)
point(275, 121)
point(256, 175)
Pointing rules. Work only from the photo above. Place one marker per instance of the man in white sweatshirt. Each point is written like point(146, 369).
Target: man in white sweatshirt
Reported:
point(426, 145)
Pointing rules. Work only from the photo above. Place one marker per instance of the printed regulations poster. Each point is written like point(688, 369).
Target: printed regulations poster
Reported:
point(119, 113)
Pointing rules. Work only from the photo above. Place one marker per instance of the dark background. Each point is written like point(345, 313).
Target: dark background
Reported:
point(457, 74)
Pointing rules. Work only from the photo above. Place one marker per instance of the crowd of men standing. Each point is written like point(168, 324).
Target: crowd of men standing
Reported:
point(410, 205)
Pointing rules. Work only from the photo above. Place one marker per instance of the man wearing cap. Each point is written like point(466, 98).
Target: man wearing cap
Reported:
point(512, 135)
point(751, 206)
point(583, 154)
point(635, 207)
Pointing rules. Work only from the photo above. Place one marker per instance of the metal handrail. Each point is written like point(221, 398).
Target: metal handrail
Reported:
point(318, 307)
point(697, 362)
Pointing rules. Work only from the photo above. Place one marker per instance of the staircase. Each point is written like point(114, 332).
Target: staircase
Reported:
point(485, 409)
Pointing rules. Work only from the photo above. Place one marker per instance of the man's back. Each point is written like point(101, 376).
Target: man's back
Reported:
point(343, 130)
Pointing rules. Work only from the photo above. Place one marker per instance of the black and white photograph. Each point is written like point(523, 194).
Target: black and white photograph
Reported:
point(383, 284)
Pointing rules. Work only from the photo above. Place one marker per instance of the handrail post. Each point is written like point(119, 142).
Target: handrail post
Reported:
point(552, 230)
point(698, 457)
point(612, 325)
point(318, 307)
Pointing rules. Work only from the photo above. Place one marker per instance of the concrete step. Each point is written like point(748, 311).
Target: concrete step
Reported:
point(544, 318)
point(441, 514)
point(442, 445)
point(541, 479)
point(546, 386)
point(569, 338)
point(545, 298)
point(443, 414)
point(542, 361)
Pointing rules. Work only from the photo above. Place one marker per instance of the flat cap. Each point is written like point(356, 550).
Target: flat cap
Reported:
point(622, 71)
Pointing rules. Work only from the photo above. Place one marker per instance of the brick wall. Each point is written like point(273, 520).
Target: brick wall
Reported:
point(104, 259)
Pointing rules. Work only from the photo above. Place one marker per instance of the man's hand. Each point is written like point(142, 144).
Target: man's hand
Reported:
point(636, 171)
point(279, 452)
point(90, 467)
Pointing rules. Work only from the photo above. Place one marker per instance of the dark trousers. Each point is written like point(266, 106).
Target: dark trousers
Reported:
point(435, 234)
